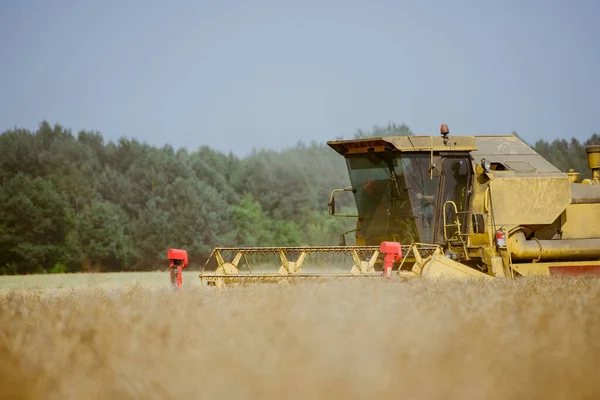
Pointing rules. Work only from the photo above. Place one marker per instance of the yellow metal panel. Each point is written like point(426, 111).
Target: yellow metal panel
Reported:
point(478, 204)
point(501, 144)
point(585, 194)
point(545, 268)
point(511, 151)
point(580, 221)
point(498, 267)
point(532, 269)
point(442, 267)
point(435, 143)
point(528, 200)
point(404, 144)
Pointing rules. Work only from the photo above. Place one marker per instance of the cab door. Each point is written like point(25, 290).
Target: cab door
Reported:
point(456, 181)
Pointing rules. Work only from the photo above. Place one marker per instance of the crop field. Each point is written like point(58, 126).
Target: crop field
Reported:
point(127, 336)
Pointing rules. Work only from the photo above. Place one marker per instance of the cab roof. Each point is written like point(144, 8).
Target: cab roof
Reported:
point(505, 152)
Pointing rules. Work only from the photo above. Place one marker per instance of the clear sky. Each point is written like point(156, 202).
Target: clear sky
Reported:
point(236, 74)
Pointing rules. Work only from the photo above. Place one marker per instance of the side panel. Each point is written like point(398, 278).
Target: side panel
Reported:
point(574, 268)
point(441, 267)
point(578, 221)
point(528, 200)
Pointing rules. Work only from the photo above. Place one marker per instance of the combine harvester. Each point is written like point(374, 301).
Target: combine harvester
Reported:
point(436, 206)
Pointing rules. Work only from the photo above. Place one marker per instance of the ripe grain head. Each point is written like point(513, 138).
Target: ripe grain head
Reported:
point(531, 338)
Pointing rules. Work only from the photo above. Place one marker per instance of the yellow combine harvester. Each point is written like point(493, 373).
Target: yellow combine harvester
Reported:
point(465, 206)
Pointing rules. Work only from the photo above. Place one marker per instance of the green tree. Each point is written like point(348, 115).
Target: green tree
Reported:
point(252, 226)
point(566, 155)
point(19, 150)
point(152, 233)
point(391, 129)
point(35, 223)
point(71, 202)
point(199, 216)
point(103, 236)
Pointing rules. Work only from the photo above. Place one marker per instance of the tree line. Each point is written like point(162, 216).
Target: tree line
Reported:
point(71, 203)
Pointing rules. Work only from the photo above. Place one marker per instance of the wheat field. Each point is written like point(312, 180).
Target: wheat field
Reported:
point(352, 339)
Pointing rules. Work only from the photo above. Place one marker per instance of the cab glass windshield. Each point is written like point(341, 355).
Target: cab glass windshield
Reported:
point(395, 196)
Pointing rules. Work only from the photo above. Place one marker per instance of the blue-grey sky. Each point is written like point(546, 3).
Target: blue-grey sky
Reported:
point(239, 74)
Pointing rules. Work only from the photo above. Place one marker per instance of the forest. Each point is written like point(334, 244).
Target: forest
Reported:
point(71, 203)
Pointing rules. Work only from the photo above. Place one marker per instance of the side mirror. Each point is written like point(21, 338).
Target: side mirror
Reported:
point(478, 222)
point(331, 204)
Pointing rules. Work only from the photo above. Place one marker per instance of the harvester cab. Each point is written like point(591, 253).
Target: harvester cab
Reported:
point(407, 190)
point(464, 206)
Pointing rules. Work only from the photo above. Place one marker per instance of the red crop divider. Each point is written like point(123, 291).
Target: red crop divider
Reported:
point(392, 253)
point(178, 260)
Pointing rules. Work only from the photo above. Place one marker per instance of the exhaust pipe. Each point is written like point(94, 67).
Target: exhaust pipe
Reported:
point(565, 249)
point(593, 156)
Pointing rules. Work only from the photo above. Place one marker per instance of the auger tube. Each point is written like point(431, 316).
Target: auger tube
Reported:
point(565, 249)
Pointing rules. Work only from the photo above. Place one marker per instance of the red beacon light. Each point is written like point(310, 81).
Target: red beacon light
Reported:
point(392, 253)
point(444, 131)
point(178, 260)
